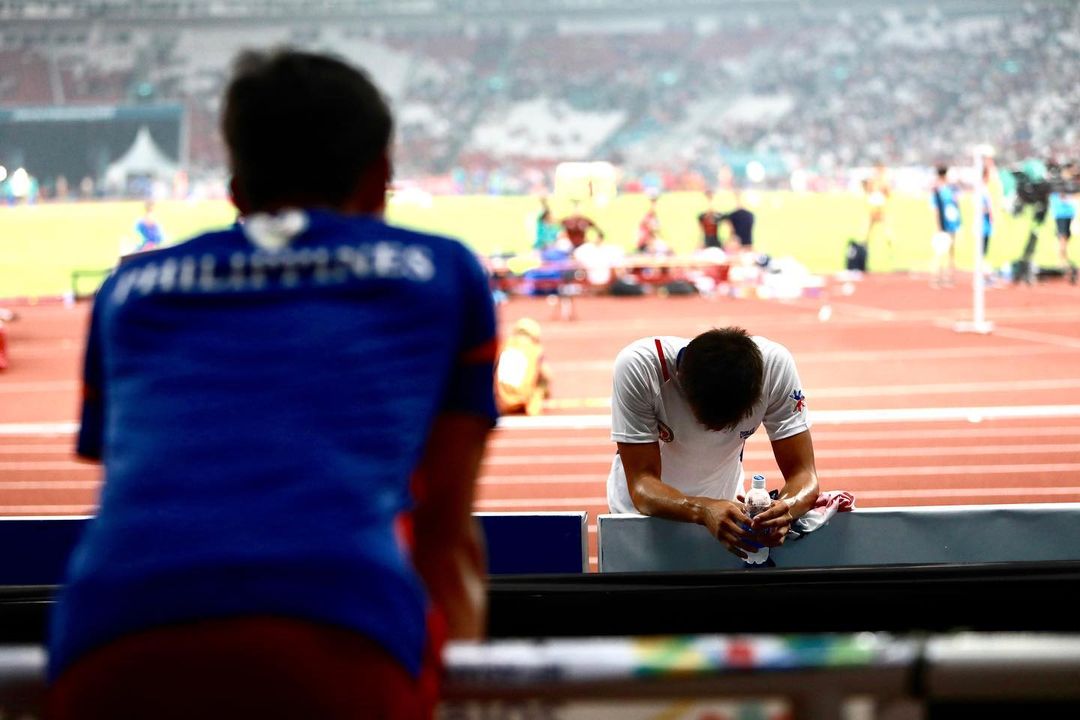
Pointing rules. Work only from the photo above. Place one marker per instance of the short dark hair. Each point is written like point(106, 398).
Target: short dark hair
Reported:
point(942, 170)
point(722, 373)
point(301, 127)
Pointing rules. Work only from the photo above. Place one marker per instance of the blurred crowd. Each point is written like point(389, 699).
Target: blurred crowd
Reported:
point(672, 102)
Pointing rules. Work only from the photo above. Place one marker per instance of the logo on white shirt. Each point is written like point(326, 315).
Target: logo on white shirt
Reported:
point(800, 400)
point(666, 433)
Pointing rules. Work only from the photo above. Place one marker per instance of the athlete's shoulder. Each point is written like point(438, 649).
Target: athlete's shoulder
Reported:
point(772, 352)
point(654, 355)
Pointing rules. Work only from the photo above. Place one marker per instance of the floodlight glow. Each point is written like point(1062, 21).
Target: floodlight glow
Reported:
point(755, 171)
point(20, 183)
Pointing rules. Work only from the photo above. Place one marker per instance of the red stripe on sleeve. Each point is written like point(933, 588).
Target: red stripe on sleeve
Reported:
point(663, 361)
point(485, 353)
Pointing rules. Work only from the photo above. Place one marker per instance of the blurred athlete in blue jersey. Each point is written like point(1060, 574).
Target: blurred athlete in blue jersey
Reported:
point(1063, 207)
point(291, 414)
point(947, 212)
point(148, 232)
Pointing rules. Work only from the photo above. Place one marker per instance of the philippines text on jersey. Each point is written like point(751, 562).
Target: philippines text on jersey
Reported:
point(245, 271)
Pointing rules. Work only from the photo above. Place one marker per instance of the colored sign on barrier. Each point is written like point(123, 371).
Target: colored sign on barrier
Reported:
point(535, 543)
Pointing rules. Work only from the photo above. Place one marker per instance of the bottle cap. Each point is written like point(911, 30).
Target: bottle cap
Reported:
point(758, 482)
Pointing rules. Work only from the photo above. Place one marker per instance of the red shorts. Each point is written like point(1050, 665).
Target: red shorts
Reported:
point(261, 667)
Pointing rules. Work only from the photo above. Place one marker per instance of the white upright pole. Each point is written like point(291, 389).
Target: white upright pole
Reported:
point(979, 323)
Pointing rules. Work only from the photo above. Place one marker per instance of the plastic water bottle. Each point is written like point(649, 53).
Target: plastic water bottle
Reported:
point(757, 500)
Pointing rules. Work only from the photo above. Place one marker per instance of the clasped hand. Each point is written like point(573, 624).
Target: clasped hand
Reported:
point(729, 523)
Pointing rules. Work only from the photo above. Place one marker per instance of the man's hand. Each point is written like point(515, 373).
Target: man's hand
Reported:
point(770, 527)
point(726, 521)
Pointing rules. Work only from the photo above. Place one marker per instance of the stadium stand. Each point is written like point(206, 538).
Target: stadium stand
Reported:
point(675, 95)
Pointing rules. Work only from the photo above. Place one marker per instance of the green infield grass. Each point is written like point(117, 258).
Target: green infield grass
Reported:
point(43, 244)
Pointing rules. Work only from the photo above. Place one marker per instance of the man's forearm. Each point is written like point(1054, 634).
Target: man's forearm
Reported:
point(653, 497)
point(800, 491)
point(455, 577)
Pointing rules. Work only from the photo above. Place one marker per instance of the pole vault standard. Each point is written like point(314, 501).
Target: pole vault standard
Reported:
point(978, 324)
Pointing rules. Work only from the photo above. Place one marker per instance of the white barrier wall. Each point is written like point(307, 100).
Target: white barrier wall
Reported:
point(877, 536)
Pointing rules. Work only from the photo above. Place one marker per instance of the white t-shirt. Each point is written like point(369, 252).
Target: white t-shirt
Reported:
point(599, 260)
point(648, 405)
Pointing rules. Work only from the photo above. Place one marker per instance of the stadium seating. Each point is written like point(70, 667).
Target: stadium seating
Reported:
point(821, 91)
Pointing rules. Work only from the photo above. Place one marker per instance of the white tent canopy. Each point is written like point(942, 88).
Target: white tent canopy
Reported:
point(144, 158)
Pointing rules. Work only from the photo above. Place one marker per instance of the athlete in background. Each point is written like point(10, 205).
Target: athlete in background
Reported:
point(522, 376)
point(709, 222)
point(1063, 208)
point(576, 227)
point(878, 189)
point(6, 316)
point(649, 235)
point(947, 214)
point(740, 222)
point(149, 235)
point(546, 230)
point(291, 414)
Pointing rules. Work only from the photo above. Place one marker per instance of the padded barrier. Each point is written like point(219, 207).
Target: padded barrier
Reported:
point(876, 536)
point(536, 543)
point(37, 548)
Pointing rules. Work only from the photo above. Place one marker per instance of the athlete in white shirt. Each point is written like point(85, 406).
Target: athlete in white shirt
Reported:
point(687, 407)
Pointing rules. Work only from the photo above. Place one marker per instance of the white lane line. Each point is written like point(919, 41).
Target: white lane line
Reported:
point(821, 436)
point(1041, 337)
point(978, 492)
point(47, 465)
point(826, 474)
point(40, 429)
point(866, 311)
point(603, 421)
point(877, 391)
point(973, 431)
point(819, 454)
point(39, 449)
point(583, 478)
point(47, 510)
point(826, 417)
point(874, 356)
point(508, 504)
point(11, 485)
point(38, 386)
point(924, 471)
point(508, 440)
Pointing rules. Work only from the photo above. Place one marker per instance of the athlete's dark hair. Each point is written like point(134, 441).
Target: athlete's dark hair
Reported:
point(301, 127)
point(722, 373)
point(942, 171)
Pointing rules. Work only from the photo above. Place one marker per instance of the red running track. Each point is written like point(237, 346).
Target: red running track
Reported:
point(888, 346)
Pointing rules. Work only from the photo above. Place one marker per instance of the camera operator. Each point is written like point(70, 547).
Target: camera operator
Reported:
point(1035, 184)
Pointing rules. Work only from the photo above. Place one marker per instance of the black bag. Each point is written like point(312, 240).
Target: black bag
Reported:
point(856, 256)
point(623, 287)
point(680, 287)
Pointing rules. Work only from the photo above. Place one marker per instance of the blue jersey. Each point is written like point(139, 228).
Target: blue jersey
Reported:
point(1062, 207)
point(150, 235)
point(948, 211)
point(260, 412)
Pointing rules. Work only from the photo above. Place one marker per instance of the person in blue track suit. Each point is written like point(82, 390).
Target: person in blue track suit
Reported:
point(947, 212)
point(290, 413)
